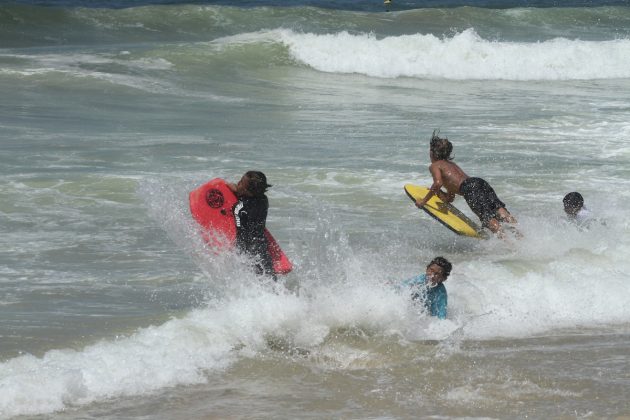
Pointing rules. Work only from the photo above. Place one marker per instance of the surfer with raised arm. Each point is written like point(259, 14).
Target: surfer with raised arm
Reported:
point(250, 214)
point(479, 195)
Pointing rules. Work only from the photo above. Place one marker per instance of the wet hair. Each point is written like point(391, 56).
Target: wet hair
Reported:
point(573, 201)
point(440, 147)
point(257, 185)
point(443, 263)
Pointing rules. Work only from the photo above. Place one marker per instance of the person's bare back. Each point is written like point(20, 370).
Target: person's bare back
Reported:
point(445, 174)
point(449, 174)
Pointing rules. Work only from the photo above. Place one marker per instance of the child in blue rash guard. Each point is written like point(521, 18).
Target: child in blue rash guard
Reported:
point(429, 287)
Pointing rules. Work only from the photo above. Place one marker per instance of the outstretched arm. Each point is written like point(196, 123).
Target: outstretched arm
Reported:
point(435, 188)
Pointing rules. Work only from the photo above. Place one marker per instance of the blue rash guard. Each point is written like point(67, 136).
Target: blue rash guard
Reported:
point(434, 298)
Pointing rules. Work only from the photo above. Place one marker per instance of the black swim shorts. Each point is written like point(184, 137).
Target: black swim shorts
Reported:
point(481, 199)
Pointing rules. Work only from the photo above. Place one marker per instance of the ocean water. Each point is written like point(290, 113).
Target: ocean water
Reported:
point(112, 111)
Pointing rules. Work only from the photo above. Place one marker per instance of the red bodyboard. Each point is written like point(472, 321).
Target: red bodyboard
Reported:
point(211, 206)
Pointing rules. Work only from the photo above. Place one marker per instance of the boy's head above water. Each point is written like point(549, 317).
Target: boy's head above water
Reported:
point(573, 203)
point(440, 148)
point(438, 270)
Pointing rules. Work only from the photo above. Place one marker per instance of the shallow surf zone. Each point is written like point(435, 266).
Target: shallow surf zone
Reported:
point(113, 305)
point(331, 328)
point(344, 314)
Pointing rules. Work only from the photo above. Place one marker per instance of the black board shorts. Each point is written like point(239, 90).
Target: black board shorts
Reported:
point(481, 199)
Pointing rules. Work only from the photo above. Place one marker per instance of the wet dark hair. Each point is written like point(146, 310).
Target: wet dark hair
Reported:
point(440, 147)
point(443, 263)
point(257, 185)
point(573, 200)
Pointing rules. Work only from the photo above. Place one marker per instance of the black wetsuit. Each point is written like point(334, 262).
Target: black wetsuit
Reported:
point(481, 199)
point(250, 214)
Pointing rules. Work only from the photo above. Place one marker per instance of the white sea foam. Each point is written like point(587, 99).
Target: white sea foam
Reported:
point(576, 279)
point(461, 57)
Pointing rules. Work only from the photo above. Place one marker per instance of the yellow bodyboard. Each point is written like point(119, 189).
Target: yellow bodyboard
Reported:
point(445, 213)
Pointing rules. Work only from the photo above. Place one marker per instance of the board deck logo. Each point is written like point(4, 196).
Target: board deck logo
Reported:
point(215, 198)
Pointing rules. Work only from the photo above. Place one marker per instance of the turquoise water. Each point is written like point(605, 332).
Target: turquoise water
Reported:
point(112, 307)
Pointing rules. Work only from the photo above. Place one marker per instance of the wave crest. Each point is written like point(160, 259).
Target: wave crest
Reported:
point(464, 56)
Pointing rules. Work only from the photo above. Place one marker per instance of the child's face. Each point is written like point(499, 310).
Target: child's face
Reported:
point(242, 188)
point(435, 274)
point(572, 210)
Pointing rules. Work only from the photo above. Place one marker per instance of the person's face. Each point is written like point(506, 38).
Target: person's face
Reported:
point(435, 274)
point(571, 210)
point(242, 187)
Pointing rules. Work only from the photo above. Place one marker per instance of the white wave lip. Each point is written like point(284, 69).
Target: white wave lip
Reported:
point(179, 352)
point(464, 56)
point(130, 366)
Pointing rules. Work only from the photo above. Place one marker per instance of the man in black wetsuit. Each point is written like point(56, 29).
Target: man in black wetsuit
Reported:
point(250, 214)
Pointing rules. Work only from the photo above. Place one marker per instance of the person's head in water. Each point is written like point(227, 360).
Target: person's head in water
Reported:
point(438, 271)
point(573, 203)
point(440, 148)
point(252, 184)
